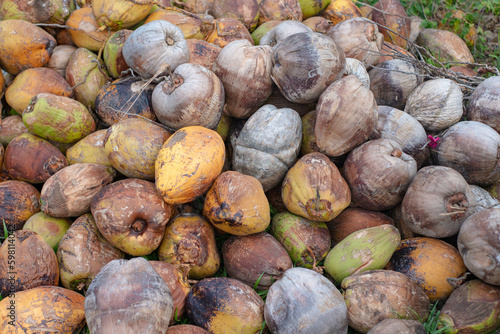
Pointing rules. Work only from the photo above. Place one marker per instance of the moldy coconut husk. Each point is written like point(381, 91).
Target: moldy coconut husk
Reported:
point(225, 305)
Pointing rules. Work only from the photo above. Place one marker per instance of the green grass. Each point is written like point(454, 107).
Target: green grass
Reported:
point(436, 12)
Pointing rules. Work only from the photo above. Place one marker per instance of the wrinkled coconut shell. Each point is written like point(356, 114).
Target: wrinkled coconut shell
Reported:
point(354, 219)
point(392, 14)
point(44, 309)
point(82, 253)
point(176, 279)
point(398, 326)
point(393, 81)
point(128, 296)
point(437, 202)
point(131, 215)
point(225, 305)
point(471, 148)
point(436, 104)
point(479, 244)
point(400, 224)
point(307, 242)
point(69, 192)
point(484, 103)
point(28, 271)
point(343, 123)
point(305, 301)
point(474, 308)
point(432, 264)
point(190, 240)
point(393, 296)
point(304, 64)
point(445, 46)
point(237, 204)
point(20, 200)
point(403, 128)
point(32, 159)
point(255, 258)
point(378, 173)
point(132, 146)
point(314, 189)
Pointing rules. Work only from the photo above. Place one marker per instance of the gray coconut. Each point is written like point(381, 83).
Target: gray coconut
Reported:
point(128, 296)
point(268, 144)
point(306, 302)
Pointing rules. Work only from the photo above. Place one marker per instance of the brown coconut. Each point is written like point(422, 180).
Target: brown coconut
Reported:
point(392, 295)
point(256, 260)
point(378, 173)
point(343, 123)
point(359, 38)
point(354, 219)
point(437, 202)
point(69, 192)
point(28, 271)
